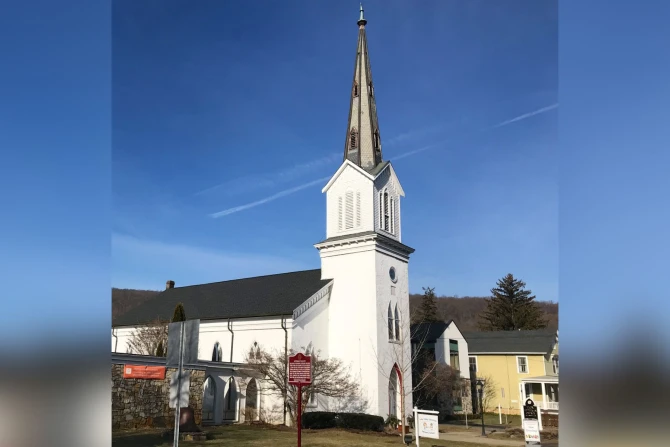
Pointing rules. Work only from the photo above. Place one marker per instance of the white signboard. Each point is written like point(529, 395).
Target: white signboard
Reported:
point(427, 426)
point(183, 393)
point(531, 430)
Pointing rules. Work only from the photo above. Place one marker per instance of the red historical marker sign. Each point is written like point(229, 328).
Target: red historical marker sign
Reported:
point(143, 372)
point(300, 373)
point(300, 369)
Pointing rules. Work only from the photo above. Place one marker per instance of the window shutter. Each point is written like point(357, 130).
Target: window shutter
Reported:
point(358, 209)
point(339, 213)
point(349, 210)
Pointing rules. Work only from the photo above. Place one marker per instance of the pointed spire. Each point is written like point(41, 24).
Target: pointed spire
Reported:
point(361, 20)
point(363, 143)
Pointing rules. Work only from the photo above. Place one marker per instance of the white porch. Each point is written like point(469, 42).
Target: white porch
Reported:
point(543, 390)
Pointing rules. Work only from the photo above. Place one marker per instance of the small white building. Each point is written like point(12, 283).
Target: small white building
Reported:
point(355, 307)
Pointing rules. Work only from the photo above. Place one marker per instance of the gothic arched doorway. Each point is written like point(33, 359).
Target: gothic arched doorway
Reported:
point(230, 401)
point(394, 390)
point(252, 407)
point(209, 400)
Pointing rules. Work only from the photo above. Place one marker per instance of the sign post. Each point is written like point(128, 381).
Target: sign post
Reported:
point(426, 424)
point(299, 374)
point(182, 348)
point(531, 428)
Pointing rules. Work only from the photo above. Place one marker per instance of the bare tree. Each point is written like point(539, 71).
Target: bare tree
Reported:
point(147, 339)
point(442, 384)
point(488, 392)
point(329, 378)
point(404, 344)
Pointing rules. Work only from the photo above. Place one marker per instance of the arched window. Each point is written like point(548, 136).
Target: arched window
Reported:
point(209, 400)
point(355, 88)
point(397, 323)
point(376, 140)
point(251, 412)
point(381, 210)
point(386, 211)
point(353, 139)
point(393, 216)
point(390, 322)
point(394, 389)
point(216, 352)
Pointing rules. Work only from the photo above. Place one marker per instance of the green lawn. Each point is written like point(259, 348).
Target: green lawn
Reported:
point(263, 436)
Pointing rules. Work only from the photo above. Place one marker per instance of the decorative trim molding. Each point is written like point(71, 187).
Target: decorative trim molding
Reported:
point(312, 300)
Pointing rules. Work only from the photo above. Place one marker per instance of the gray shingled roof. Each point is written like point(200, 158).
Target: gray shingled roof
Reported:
point(268, 295)
point(521, 342)
point(428, 332)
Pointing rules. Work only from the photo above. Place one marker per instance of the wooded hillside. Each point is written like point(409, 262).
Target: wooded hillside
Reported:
point(465, 310)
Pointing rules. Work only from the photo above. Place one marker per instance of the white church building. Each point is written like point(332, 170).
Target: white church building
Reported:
point(354, 308)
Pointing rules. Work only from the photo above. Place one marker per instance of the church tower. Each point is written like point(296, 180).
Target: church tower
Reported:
point(363, 253)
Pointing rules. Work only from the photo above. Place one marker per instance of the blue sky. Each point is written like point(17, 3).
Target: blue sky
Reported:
point(224, 109)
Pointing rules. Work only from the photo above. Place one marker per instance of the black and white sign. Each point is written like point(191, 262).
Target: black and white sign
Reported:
point(530, 410)
point(531, 426)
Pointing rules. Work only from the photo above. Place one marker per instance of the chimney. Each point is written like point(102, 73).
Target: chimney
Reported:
point(169, 285)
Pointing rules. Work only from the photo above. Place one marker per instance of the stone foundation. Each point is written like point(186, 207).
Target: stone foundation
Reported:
point(140, 403)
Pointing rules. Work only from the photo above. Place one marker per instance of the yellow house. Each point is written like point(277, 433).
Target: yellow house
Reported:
point(515, 365)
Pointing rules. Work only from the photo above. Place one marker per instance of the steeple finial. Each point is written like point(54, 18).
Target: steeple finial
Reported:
point(361, 20)
point(363, 145)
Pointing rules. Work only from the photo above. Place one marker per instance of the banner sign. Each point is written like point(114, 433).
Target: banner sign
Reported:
point(143, 372)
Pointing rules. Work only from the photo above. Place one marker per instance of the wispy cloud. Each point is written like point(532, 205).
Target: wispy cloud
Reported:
point(276, 196)
point(149, 263)
point(294, 172)
point(526, 116)
point(270, 180)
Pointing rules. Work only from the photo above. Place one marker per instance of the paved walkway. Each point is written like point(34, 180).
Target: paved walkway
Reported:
point(476, 438)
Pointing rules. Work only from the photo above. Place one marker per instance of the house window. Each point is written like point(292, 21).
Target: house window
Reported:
point(554, 362)
point(473, 364)
point(453, 355)
point(522, 364)
point(355, 88)
point(353, 139)
point(397, 323)
point(390, 322)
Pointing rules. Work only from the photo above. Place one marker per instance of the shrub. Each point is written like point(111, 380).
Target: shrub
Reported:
point(392, 421)
point(319, 419)
point(353, 421)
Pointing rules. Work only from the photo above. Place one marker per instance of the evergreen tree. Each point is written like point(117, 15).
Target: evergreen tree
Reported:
point(160, 351)
point(428, 311)
point(511, 308)
point(179, 314)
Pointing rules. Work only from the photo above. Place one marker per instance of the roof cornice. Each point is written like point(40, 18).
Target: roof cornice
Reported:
point(312, 300)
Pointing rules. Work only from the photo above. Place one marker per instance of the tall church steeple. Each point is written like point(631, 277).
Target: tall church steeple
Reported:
point(363, 142)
